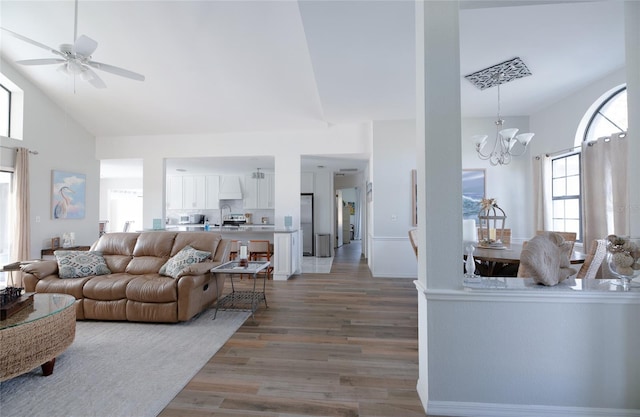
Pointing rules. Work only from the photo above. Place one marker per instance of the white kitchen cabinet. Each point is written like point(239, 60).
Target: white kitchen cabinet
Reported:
point(174, 192)
point(259, 193)
point(193, 192)
point(286, 254)
point(212, 184)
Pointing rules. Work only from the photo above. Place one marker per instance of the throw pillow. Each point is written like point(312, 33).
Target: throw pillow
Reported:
point(182, 260)
point(79, 264)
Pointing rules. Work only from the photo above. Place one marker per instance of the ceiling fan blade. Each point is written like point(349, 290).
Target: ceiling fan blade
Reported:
point(116, 70)
point(84, 46)
point(42, 61)
point(90, 76)
point(32, 42)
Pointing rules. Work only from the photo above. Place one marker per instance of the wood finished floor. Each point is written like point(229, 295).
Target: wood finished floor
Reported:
point(339, 344)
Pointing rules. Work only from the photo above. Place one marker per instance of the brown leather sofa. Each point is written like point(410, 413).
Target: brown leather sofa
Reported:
point(135, 291)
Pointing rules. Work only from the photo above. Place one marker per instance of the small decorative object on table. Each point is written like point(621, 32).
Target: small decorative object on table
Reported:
point(623, 258)
point(492, 219)
point(12, 301)
point(470, 264)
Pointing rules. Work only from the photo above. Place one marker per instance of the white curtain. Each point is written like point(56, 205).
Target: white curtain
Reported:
point(542, 193)
point(605, 187)
point(21, 242)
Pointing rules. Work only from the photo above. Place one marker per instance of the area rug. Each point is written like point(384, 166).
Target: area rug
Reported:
point(120, 369)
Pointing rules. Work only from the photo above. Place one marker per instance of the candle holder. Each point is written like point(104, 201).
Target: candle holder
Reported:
point(243, 255)
point(492, 219)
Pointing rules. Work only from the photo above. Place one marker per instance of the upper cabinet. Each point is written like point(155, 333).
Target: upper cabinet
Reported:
point(259, 193)
point(193, 192)
point(212, 183)
point(174, 192)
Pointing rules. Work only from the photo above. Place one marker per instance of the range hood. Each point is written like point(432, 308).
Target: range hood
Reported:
point(230, 188)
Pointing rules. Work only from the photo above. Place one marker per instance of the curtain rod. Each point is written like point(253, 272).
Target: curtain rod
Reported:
point(591, 143)
point(13, 147)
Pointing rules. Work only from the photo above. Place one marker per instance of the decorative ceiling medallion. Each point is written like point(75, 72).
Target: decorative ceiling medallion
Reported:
point(499, 74)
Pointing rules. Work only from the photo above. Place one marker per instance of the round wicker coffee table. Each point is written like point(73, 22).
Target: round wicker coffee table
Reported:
point(36, 335)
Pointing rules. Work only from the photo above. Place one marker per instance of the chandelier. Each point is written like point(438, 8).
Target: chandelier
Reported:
point(504, 146)
point(257, 175)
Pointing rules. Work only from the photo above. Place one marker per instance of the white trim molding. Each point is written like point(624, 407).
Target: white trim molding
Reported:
point(465, 409)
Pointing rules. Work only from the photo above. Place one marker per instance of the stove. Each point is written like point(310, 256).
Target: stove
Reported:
point(234, 220)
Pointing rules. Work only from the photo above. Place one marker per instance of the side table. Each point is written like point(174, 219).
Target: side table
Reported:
point(49, 251)
point(241, 300)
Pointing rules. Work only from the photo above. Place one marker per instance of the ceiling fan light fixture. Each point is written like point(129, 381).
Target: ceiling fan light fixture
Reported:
point(74, 67)
point(87, 75)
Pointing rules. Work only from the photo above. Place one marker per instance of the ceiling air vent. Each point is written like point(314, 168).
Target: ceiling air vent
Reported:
point(348, 169)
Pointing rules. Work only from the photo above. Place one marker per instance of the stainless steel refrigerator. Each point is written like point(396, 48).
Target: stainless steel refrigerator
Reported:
point(306, 222)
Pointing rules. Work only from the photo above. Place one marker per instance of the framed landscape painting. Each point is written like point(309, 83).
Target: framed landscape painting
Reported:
point(473, 191)
point(67, 195)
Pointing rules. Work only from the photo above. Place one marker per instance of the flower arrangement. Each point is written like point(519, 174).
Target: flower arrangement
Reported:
point(624, 255)
point(487, 203)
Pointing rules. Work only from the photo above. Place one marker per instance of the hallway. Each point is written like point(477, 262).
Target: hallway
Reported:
point(338, 344)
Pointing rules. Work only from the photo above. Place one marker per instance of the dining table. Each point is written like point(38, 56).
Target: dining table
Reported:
point(492, 262)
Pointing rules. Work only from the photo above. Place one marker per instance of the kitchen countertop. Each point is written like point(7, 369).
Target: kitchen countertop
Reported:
point(267, 228)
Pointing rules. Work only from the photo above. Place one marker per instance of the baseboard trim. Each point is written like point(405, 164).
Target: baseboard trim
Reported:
point(467, 409)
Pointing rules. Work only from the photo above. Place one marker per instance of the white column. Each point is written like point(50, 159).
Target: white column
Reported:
point(632, 43)
point(439, 161)
point(287, 198)
point(153, 198)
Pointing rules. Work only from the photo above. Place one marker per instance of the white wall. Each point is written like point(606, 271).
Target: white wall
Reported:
point(502, 354)
point(394, 156)
point(285, 147)
point(62, 145)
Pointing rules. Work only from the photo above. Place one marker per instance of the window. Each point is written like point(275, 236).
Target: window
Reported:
point(610, 117)
point(567, 202)
point(11, 109)
point(5, 111)
point(5, 194)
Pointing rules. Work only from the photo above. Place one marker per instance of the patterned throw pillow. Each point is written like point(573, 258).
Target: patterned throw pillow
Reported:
point(181, 260)
point(78, 264)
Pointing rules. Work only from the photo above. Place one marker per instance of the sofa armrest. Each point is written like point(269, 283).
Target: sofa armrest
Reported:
point(223, 251)
point(41, 269)
point(201, 268)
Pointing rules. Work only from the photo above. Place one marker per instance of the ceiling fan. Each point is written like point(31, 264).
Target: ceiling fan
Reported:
point(75, 59)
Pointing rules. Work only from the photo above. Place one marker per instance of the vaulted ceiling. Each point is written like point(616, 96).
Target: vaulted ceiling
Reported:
point(219, 66)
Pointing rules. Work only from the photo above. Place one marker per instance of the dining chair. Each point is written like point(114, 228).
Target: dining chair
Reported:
point(567, 236)
point(233, 251)
point(260, 250)
point(413, 238)
point(594, 259)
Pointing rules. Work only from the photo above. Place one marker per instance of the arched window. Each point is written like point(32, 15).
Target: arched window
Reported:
point(610, 117)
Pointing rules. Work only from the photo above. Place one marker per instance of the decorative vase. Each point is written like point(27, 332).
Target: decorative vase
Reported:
point(623, 258)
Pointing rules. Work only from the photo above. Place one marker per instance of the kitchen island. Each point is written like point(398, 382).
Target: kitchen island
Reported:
point(244, 233)
point(287, 250)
